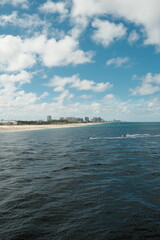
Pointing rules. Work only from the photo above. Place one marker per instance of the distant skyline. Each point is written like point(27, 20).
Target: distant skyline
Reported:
point(80, 58)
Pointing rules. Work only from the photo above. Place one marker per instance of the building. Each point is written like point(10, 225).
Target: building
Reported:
point(97, 119)
point(5, 122)
point(49, 118)
point(71, 119)
point(80, 120)
point(86, 119)
point(74, 120)
point(62, 119)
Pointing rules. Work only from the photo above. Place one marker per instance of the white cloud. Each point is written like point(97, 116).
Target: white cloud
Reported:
point(129, 111)
point(17, 53)
point(133, 37)
point(26, 21)
point(145, 89)
point(109, 98)
point(143, 13)
point(20, 78)
point(44, 95)
point(149, 84)
point(96, 107)
point(85, 96)
point(91, 85)
point(152, 104)
point(54, 7)
point(59, 84)
point(13, 55)
point(118, 62)
point(64, 52)
point(107, 32)
point(64, 96)
point(17, 104)
point(12, 96)
point(150, 78)
point(79, 25)
point(22, 3)
point(76, 31)
point(115, 106)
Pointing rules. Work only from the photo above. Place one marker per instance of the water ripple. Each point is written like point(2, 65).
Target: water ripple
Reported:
point(61, 184)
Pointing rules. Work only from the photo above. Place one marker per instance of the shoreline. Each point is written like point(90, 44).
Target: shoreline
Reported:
point(14, 128)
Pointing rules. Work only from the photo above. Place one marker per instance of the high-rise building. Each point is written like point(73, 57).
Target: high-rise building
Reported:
point(62, 118)
point(71, 119)
point(80, 120)
point(86, 119)
point(49, 118)
point(97, 119)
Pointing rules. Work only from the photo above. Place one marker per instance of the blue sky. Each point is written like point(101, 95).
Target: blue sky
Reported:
point(80, 58)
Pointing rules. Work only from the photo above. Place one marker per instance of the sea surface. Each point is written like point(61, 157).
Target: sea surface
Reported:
point(83, 183)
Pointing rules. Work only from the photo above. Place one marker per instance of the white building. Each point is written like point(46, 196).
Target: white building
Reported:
point(49, 118)
point(5, 122)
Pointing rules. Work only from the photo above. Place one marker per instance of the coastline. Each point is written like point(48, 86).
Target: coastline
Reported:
point(13, 128)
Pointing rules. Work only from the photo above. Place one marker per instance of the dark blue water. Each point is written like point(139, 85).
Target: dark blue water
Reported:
point(81, 183)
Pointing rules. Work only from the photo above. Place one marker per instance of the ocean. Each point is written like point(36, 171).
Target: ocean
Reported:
point(98, 182)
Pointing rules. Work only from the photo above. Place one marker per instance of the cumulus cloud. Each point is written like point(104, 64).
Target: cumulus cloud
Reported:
point(54, 7)
point(96, 107)
point(22, 3)
point(13, 55)
point(149, 84)
point(64, 52)
point(44, 95)
point(64, 96)
point(20, 78)
point(116, 107)
point(106, 32)
point(150, 78)
point(76, 31)
point(26, 21)
point(132, 11)
point(59, 84)
point(79, 25)
point(18, 104)
point(85, 96)
point(90, 85)
point(133, 37)
point(11, 94)
point(109, 98)
point(118, 62)
point(17, 53)
point(145, 89)
point(153, 103)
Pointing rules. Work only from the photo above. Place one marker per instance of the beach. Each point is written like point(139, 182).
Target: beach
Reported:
point(12, 128)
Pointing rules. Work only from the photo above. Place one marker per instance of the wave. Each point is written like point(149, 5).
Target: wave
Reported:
point(125, 136)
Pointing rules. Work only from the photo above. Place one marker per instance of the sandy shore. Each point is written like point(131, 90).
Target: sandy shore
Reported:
point(12, 128)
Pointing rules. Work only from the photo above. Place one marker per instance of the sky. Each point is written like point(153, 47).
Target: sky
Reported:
point(82, 58)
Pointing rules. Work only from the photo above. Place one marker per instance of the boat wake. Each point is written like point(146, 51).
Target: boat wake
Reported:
point(125, 136)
